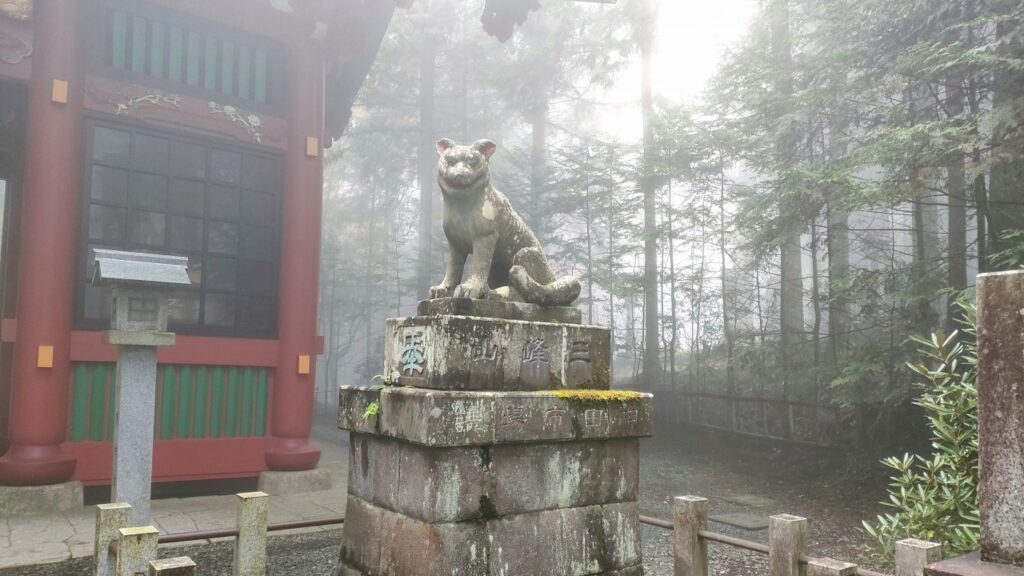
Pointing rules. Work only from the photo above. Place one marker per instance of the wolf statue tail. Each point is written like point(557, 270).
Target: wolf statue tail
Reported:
point(532, 278)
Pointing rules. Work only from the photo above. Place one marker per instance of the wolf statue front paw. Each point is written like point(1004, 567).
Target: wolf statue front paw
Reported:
point(471, 289)
point(440, 291)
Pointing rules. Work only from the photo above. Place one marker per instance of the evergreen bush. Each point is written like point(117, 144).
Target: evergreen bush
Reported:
point(935, 497)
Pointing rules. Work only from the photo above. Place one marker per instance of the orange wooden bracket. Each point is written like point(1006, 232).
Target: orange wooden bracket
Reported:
point(60, 92)
point(44, 358)
point(304, 364)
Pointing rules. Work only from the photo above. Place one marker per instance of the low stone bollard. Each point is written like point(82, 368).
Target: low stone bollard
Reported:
point(690, 517)
point(110, 518)
point(136, 546)
point(830, 567)
point(787, 542)
point(251, 545)
point(181, 566)
point(912, 555)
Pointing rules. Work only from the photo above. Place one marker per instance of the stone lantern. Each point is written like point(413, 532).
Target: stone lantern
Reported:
point(140, 283)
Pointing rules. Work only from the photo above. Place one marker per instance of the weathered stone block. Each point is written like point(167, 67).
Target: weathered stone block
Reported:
point(380, 542)
point(576, 541)
point(352, 404)
point(278, 483)
point(469, 353)
point(361, 538)
point(533, 477)
point(499, 309)
point(46, 499)
point(373, 470)
point(441, 484)
point(459, 418)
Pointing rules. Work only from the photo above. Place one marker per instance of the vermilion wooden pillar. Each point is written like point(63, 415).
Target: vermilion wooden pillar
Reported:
point(48, 251)
point(292, 410)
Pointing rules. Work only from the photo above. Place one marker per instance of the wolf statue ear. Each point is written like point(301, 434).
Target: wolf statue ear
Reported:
point(485, 147)
point(443, 145)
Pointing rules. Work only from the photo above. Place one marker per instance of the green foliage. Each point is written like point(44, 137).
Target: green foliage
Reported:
point(372, 409)
point(1012, 257)
point(935, 497)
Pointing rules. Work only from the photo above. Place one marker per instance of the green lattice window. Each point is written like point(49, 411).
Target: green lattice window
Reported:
point(192, 402)
point(188, 54)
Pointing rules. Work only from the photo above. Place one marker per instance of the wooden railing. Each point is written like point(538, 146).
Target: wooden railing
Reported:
point(786, 548)
point(773, 418)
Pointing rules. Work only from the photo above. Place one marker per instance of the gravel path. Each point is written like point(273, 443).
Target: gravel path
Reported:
point(835, 491)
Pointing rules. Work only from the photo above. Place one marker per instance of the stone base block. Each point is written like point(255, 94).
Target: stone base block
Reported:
point(477, 483)
point(282, 483)
point(585, 541)
point(445, 418)
point(971, 565)
point(470, 353)
point(499, 309)
point(35, 500)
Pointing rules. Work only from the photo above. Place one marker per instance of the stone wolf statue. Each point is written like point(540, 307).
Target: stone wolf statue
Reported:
point(508, 263)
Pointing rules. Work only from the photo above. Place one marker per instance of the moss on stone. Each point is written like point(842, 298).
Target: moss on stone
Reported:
point(596, 397)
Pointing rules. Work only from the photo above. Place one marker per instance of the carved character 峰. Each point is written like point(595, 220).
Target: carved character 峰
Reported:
point(507, 260)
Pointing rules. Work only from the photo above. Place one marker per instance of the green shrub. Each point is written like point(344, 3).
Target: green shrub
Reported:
point(935, 497)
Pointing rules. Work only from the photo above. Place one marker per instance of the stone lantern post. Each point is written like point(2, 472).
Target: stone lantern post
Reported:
point(138, 325)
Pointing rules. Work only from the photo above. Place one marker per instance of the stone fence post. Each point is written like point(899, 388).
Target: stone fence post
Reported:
point(181, 566)
point(830, 567)
point(135, 548)
point(110, 518)
point(251, 546)
point(912, 555)
point(787, 543)
point(690, 551)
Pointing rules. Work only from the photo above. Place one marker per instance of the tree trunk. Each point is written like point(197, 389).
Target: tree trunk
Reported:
point(1006, 183)
point(651, 362)
point(956, 191)
point(791, 308)
point(538, 170)
point(730, 373)
point(427, 164)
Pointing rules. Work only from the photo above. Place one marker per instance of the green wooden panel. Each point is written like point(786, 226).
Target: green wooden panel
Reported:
point(231, 404)
point(227, 68)
point(177, 52)
point(157, 32)
point(193, 59)
point(210, 64)
point(79, 402)
point(259, 74)
point(202, 401)
point(217, 403)
point(119, 45)
point(261, 403)
point(167, 412)
point(184, 429)
point(244, 72)
point(111, 402)
point(138, 44)
point(246, 415)
point(98, 404)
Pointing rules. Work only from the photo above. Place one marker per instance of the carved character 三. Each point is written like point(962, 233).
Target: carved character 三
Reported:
point(507, 259)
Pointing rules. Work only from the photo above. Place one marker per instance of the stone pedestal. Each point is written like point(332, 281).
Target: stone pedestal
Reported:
point(499, 452)
point(469, 353)
point(461, 482)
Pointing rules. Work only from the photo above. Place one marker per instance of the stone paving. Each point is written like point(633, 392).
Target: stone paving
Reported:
point(54, 538)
